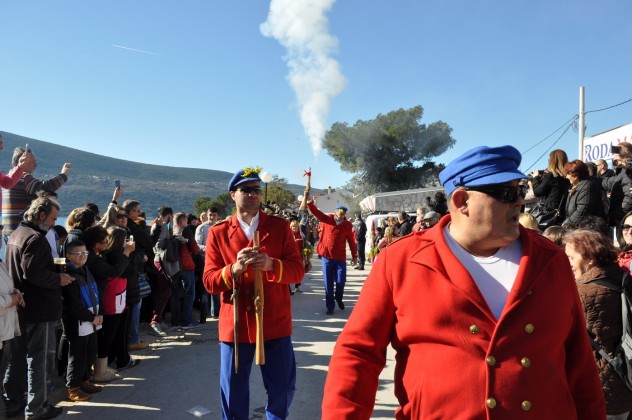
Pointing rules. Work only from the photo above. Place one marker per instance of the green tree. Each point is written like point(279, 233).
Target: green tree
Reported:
point(223, 202)
point(390, 152)
point(276, 192)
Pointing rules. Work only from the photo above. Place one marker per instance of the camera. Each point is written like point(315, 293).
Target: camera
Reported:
point(615, 149)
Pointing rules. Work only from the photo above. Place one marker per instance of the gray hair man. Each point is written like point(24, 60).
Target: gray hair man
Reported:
point(32, 268)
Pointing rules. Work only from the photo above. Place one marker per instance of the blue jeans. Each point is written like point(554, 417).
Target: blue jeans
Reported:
point(133, 336)
point(188, 284)
point(334, 271)
point(27, 371)
point(278, 373)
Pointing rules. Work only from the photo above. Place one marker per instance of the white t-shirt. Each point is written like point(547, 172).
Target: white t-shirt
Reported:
point(493, 275)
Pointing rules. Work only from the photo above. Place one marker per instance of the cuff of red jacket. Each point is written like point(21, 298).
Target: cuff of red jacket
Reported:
point(276, 275)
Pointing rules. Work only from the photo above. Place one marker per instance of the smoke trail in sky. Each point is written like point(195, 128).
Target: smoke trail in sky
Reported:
point(301, 27)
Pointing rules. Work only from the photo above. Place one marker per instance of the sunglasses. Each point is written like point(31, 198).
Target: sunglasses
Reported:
point(502, 193)
point(121, 216)
point(250, 190)
point(625, 228)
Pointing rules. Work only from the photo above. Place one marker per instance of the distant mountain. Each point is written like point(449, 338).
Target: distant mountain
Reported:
point(92, 178)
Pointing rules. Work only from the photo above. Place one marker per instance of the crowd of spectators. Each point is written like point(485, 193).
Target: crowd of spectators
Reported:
point(81, 288)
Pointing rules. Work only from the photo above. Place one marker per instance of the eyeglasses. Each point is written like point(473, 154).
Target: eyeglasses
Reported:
point(79, 253)
point(625, 228)
point(121, 216)
point(250, 190)
point(502, 193)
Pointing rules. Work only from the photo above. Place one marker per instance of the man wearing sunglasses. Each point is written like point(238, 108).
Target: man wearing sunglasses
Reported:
point(229, 268)
point(483, 314)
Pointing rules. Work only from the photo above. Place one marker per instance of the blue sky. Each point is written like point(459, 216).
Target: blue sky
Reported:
point(197, 84)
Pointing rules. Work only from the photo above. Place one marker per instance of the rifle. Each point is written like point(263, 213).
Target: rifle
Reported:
point(235, 299)
point(259, 349)
point(308, 174)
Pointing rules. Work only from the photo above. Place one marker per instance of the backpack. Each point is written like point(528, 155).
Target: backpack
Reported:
point(621, 360)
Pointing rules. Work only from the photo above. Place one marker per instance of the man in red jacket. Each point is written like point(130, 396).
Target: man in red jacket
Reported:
point(229, 268)
point(484, 315)
point(333, 231)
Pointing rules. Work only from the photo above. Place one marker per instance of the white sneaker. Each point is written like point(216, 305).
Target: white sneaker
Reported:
point(157, 330)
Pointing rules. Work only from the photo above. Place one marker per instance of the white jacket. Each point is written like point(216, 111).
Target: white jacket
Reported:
point(9, 325)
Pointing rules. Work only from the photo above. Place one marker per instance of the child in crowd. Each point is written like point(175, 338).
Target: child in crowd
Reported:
point(555, 234)
point(82, 316)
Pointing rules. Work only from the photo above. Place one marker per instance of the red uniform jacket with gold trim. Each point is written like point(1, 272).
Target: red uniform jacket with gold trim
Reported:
point(224, 241)
point(454, 360)
point(332, 236)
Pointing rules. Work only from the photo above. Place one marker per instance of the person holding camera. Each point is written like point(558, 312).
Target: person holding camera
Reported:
point(551, 185)
point(619, 185)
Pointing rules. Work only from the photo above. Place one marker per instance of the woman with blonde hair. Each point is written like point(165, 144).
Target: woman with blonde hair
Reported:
point(551, 185)
point(115, 216)
point(527, 220)
point(390, 234)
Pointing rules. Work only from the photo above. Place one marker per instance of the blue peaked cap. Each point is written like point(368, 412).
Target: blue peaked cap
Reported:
point(239, 179)
point(342, 208)
point(482, 166)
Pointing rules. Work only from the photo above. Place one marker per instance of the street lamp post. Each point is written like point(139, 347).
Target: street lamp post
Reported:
point(266, 177)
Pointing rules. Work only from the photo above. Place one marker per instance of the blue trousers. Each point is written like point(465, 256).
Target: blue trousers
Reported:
point(278, 373)
point(27, 371)
point(334, 271)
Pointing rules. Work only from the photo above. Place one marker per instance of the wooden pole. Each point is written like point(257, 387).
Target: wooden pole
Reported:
point(259, 299)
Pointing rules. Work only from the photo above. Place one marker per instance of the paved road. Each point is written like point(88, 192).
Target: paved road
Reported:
point(181, 371)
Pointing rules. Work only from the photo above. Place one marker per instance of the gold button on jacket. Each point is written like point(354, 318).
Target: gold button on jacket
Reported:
point(525, 362)
point(529, 328)
point(474, 329)
point(491, 360)
point(526, 405)
point(491, 403)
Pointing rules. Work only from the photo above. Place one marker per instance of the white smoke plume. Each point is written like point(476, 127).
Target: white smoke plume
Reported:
point(301, 27)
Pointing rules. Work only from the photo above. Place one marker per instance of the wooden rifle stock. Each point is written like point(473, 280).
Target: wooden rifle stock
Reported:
point(260, 357)
point(308, 174)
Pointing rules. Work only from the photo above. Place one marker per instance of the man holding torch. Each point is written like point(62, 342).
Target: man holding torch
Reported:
point(233, 261)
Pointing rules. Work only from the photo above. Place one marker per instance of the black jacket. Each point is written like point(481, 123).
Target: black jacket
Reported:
point(551, 189)
point(79, 301)
point(584, 201)
point(30, 263)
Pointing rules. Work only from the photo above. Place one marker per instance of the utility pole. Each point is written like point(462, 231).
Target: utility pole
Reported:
point(581, 124)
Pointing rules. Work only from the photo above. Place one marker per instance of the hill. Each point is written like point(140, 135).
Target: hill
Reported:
point(92, 177)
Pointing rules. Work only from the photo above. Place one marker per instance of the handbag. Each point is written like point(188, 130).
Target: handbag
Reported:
point(547, 217)
point(143, 284)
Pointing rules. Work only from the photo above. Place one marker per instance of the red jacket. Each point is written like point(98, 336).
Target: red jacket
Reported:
point(224, 241)
point(332, 236)
point(454, 359)
point(188, 249)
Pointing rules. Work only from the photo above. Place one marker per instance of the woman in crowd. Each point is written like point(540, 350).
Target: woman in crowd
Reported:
point(115, 216)
point(593, 257)
point(108, 268)
point(299, 238)
point(390, 234)
point(619, 185)
point(624, 238)
point(77, 222)
point(527, 220)
point(584, 196)
point(551, 185)
point(188, 248)
point(10, 298)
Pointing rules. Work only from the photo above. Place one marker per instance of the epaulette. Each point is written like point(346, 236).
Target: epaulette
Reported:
point(220, 223)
